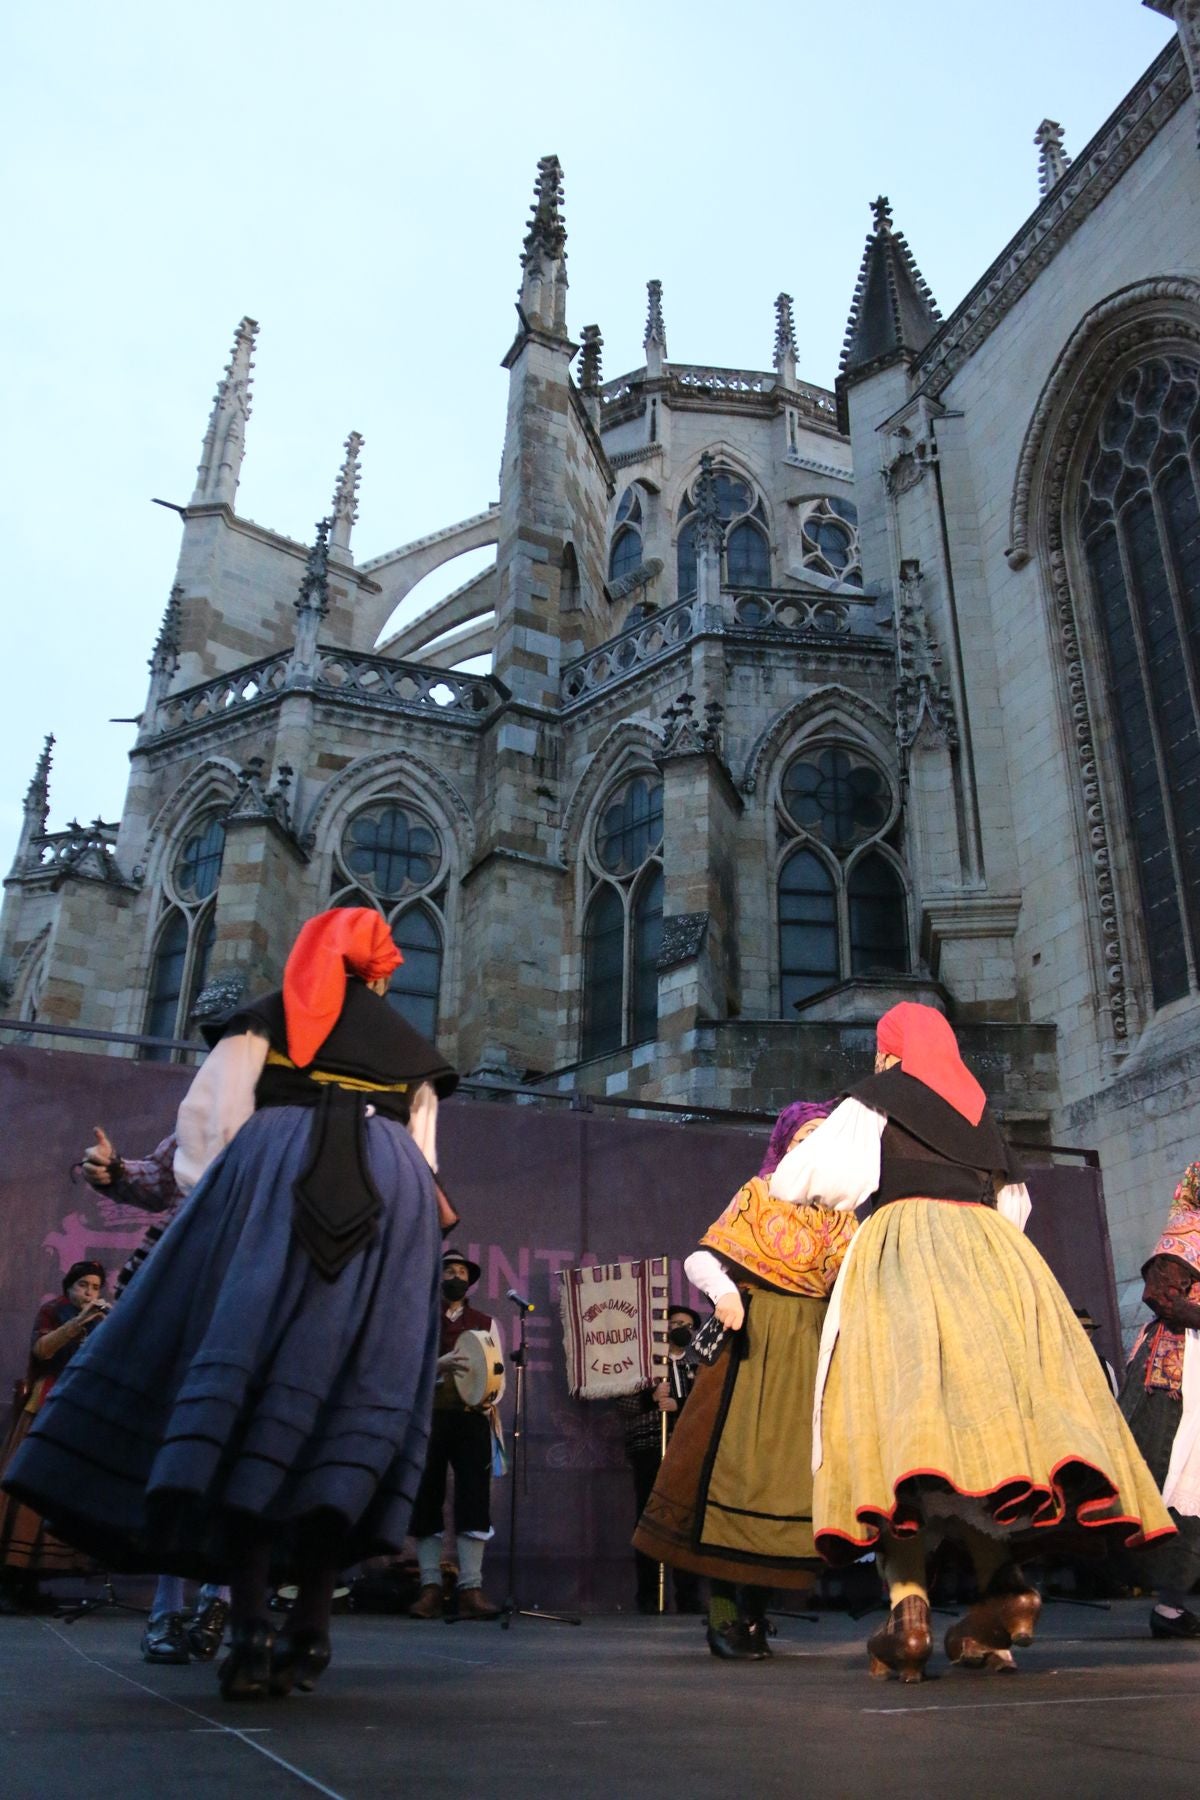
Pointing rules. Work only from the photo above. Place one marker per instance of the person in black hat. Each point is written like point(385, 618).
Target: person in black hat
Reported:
point(28, 1549)
point(642, 1415)
point(461, 1440)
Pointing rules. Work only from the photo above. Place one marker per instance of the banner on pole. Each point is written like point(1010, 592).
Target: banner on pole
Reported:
point(615, 1327)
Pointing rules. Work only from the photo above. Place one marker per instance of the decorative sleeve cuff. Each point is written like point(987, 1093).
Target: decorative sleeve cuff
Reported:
point(708, 1273)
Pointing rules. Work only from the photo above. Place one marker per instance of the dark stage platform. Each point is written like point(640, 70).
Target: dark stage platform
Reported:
point(620, 1708)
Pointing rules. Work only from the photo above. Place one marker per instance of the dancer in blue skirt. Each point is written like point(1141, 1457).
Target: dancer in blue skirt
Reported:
point(265, 1387)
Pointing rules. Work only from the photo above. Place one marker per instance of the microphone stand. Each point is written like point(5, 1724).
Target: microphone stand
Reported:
point(510, 1609)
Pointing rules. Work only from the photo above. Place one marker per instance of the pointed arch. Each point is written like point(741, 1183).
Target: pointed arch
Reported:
point(1126, 324)
point(1154, 318)
point(831, 709)
point(383, 772)
point(213, 784)
point(29, 975)
point(629, 745)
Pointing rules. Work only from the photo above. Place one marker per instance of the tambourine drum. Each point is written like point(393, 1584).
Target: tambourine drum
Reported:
point(481, 1384)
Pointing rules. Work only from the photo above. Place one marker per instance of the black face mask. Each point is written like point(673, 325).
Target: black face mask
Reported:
point(681, 1336)
point(454, 1287)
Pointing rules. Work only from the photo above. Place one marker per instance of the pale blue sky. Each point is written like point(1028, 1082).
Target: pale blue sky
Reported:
point(358, 178)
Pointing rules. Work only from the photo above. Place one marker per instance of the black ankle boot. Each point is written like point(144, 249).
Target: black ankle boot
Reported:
point(246, 1672)
point(299, 1661)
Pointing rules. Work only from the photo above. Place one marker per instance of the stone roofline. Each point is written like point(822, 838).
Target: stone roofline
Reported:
point(708, 387)
point(1150, 103)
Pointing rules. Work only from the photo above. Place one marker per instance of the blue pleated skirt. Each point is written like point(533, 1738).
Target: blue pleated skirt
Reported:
point(234, 1387)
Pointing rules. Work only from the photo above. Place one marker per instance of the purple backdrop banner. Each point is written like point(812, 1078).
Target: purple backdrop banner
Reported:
point(540, 1188)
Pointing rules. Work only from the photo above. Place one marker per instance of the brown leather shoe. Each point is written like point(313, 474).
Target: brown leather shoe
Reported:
point(1006, 1615)
point(428, 1604)
point(903, 1646)
point(473, 1603)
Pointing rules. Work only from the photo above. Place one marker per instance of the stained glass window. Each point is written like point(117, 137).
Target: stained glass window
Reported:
point(391, 850)
point(1139, 525)
point(685, 560)
point(198, 868)
point(166, 983)
point(603, 972)
point(808, 929)
point(631, 826)
point(842, 800)
point(416, 985)
point(747, 557)
point(747, 548)
point(647, 942)
point(829, 537)
point(626, 554)
point(878, 917)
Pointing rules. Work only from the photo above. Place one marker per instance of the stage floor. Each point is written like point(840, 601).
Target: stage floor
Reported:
point(618, 1707)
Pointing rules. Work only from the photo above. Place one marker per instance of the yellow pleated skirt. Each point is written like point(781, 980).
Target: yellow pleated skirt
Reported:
point(961, 1387)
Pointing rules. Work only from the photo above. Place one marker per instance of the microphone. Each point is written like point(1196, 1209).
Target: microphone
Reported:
point(519, 1301)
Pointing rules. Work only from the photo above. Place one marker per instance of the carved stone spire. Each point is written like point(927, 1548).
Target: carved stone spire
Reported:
point(543, 300)
point(312, 604)
point(655, 338)
point(710, 531)
point(225, 439)
point(314, 583)
point(164, 659)
point(37, 794)
point(590, 358)
point(710, 539)
point(893, 312)
point(1053, 162)
point(345, 495)
point(786, 353)
point(36, 811)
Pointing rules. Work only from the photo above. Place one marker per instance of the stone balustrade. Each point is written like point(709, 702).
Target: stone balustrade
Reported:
point(216, 699)
point(767, 610)
point(634, 648)
point(345, 674)
point(356, 676)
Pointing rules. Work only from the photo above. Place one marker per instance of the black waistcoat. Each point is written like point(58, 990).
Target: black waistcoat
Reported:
point(928, 1149)
point(336, 1202)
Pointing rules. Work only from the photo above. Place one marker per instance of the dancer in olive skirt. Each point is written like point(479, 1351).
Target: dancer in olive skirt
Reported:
point(733, 1499)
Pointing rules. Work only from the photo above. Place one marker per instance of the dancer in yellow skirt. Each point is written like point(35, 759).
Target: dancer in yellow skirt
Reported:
point(957, 1395)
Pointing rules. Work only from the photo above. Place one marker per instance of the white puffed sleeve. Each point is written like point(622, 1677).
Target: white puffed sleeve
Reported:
point(422, 1123)
point(837, 1165)
point(1013, 1203)
point(217, 1104)
point(706, 1272)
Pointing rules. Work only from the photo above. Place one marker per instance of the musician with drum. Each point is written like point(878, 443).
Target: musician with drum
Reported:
point(469, 1387)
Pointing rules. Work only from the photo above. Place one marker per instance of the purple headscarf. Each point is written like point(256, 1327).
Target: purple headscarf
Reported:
point(800, 1112)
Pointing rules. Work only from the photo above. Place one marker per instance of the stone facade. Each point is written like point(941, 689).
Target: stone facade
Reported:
point(792, 704)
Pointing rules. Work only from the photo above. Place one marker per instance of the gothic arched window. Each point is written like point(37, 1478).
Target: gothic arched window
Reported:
point(625, 554)
point(167, 981)
point(391, 857)
point(1139, 530)
point(829, 540)
point(747, 556)
point(622, 930)
point(747, 545)
point(843, 910)
point(415, 987)
point(186, 933)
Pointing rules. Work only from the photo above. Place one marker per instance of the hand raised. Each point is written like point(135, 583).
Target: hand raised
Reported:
point(98, 1159)
point(731, 1312)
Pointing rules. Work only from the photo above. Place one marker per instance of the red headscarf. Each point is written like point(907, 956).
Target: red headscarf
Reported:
point(349, 940)
point(928, 1050)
